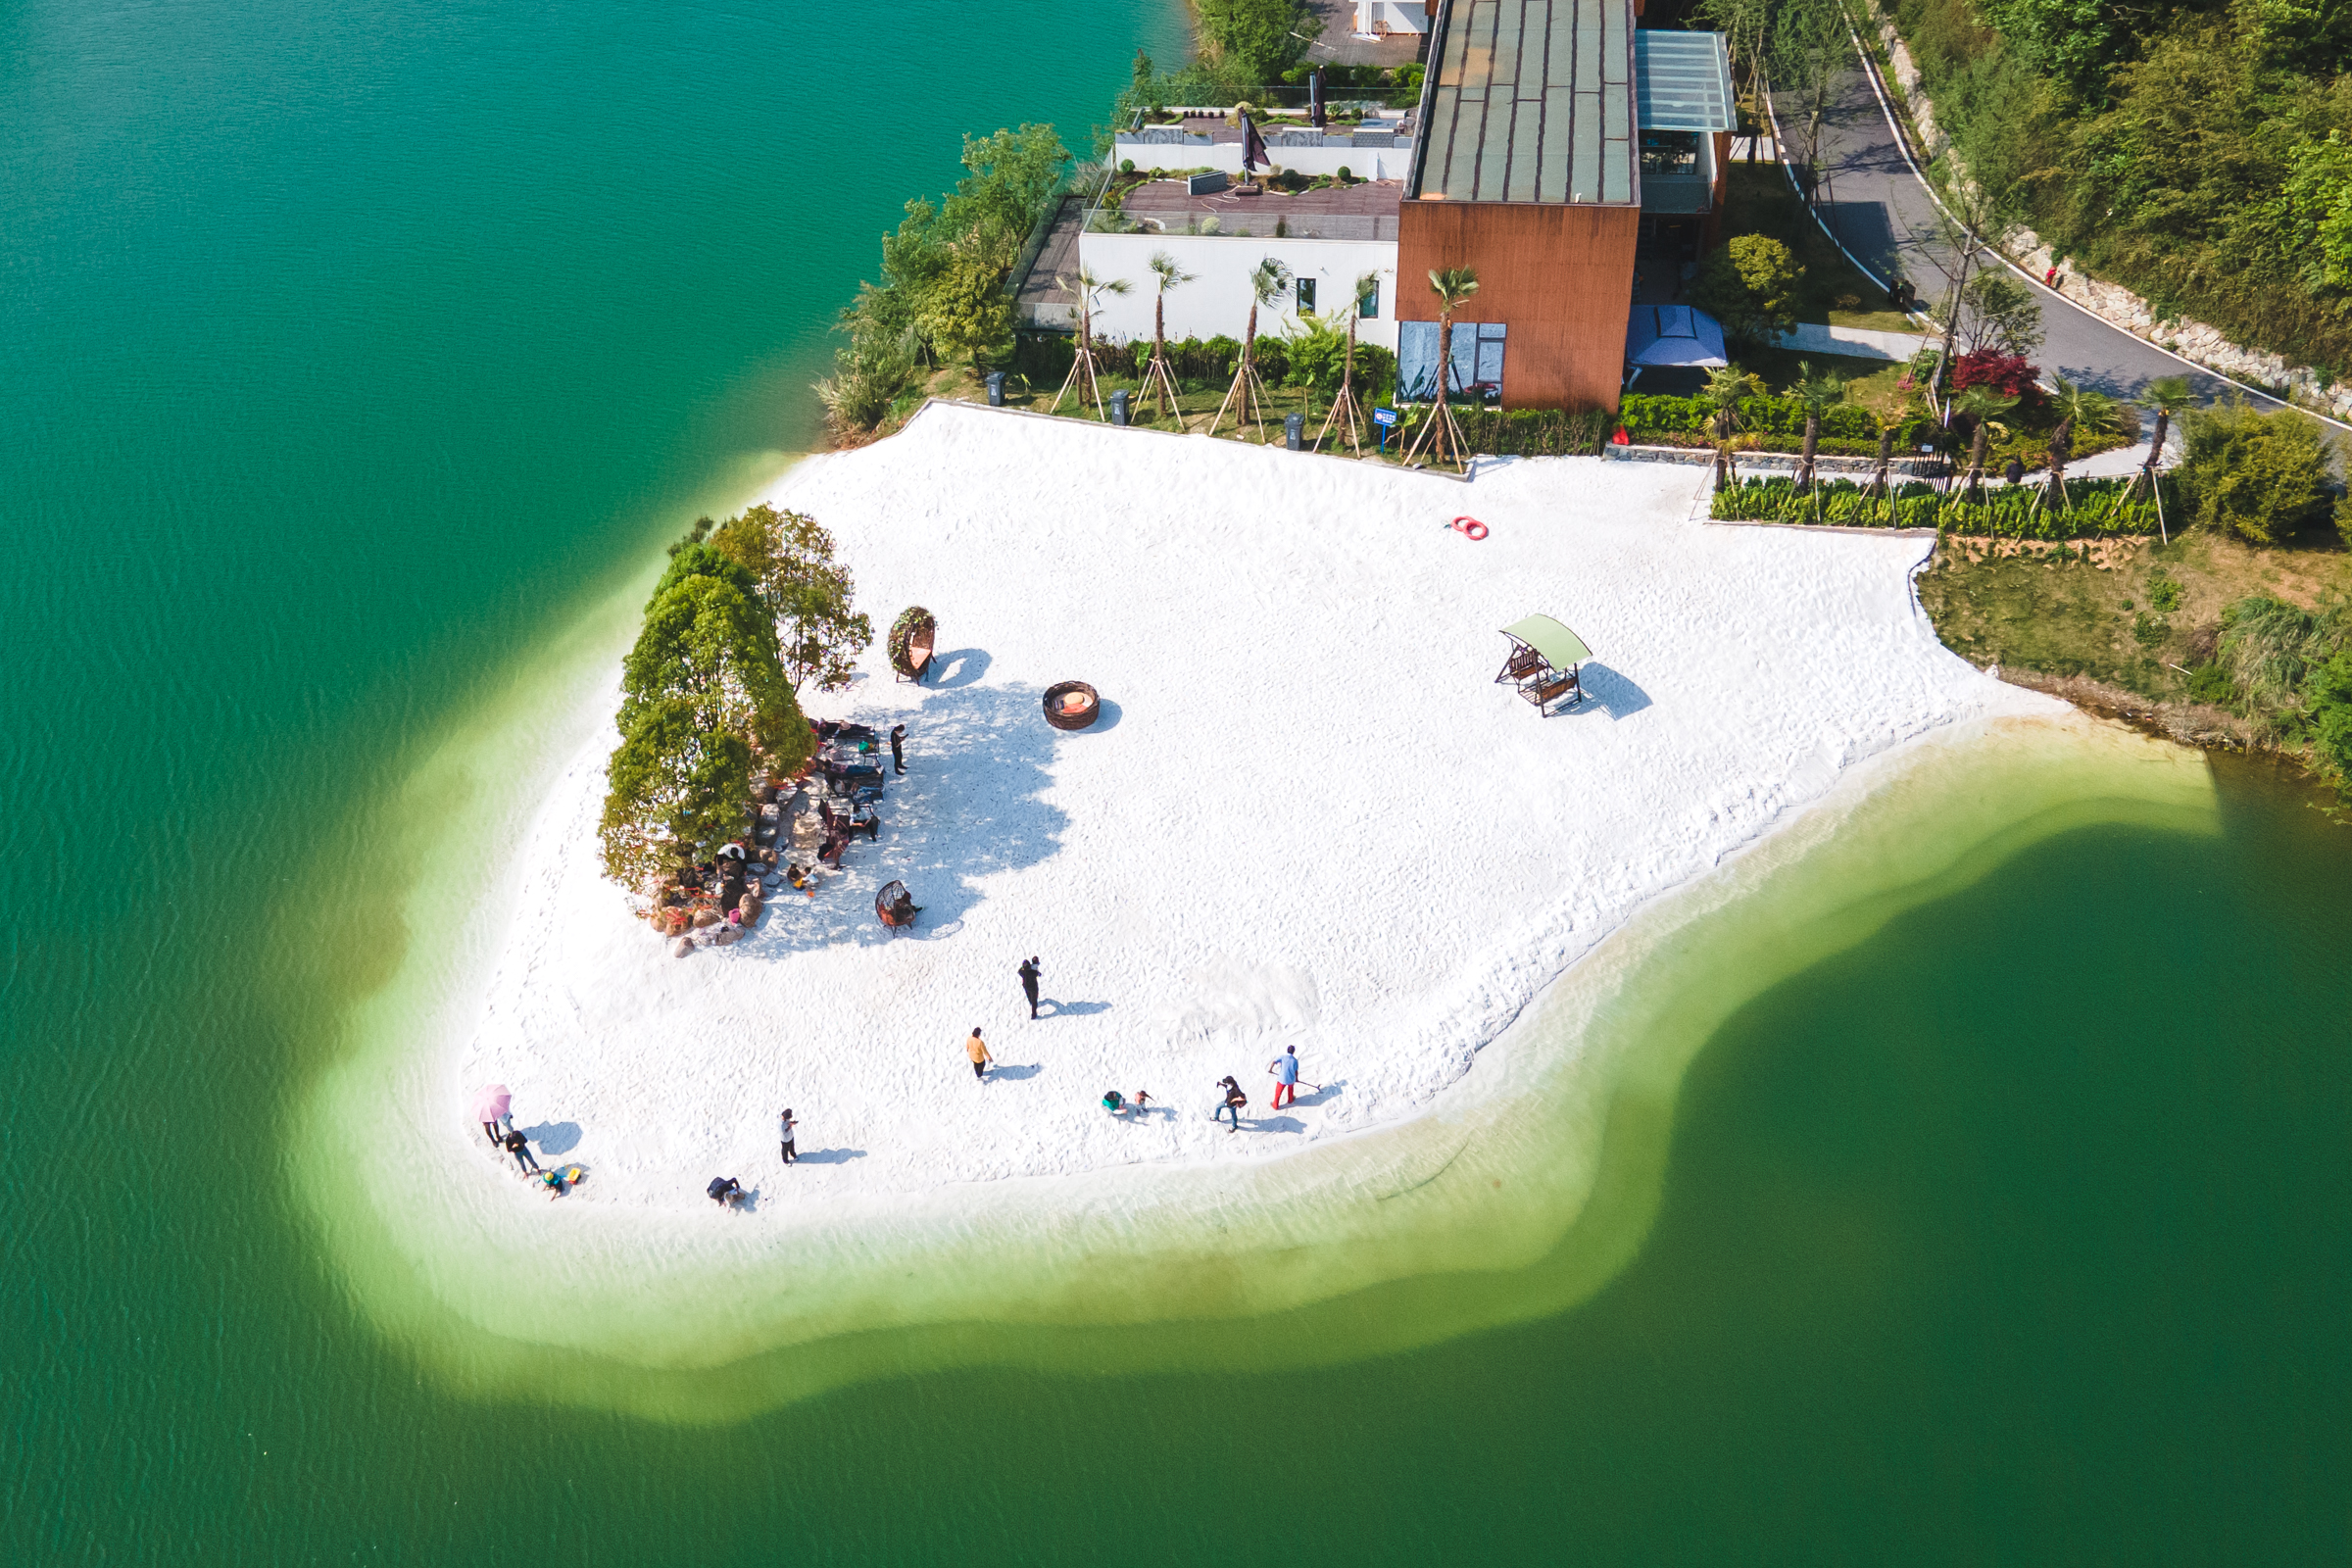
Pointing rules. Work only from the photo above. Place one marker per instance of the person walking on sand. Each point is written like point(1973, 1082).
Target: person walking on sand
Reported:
point(1285, 1069)
point(977, 1049)
point(1231, 1104)
point(521, 1148)
point(784, 1126)
point(897, 746)
point(1030, 973)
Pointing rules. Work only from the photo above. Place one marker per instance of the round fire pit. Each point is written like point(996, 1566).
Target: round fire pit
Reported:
point(1071, 705)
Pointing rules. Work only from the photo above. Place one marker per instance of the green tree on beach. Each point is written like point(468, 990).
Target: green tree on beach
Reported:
point(703, 700)
point(788, 559)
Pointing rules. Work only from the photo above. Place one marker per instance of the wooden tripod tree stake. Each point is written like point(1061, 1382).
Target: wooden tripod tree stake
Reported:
point(1084, 374)
point(1453, 287)
point(1247, 397)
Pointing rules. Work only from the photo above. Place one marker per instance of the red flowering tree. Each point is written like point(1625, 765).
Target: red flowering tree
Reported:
point(2007, 375)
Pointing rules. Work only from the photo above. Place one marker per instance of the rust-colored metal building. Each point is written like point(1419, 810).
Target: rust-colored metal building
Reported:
point(1558, 140)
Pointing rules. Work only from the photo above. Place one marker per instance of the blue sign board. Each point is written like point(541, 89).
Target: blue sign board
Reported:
point(1386, 417)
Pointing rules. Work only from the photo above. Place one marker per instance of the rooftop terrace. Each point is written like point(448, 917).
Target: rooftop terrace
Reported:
point(1363, 211)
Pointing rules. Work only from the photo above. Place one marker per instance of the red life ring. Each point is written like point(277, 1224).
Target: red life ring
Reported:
point(1470, 527)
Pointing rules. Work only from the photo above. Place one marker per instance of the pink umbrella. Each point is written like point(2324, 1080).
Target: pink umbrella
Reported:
point(490, 1103)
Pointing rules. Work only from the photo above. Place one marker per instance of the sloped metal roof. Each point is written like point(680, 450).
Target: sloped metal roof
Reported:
point(1529, 101)
point(1682, 81)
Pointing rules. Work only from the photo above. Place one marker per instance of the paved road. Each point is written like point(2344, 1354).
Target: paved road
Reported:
point(1878, 209)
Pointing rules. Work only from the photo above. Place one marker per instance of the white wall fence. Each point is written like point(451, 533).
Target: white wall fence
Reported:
point(1217, 301)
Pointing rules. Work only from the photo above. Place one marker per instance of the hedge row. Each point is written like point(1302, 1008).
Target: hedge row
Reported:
point(2094, 508)
point(1766, 416)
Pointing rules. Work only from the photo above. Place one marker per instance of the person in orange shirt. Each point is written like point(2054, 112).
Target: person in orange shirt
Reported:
point(977, 1049)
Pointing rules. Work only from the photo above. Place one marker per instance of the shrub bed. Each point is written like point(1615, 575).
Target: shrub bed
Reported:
point(2096, 509)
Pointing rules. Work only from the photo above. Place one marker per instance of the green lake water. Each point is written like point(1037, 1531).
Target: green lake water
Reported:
point(353, 355)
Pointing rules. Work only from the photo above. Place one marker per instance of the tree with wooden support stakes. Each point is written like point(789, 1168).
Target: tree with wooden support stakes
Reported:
point(2079, 409)
point(1084, 376)
point(1453, 287)
point(1247, 397)
point(1982, 408)
point(1347, 410)
point(1728, 386)
point(1159, 381)
point(2161, 396)
point(1816, 395)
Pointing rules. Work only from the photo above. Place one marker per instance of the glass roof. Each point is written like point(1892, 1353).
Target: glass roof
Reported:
point(1682, 81)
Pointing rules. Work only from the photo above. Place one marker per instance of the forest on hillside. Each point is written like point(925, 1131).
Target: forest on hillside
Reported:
point(2198, 152)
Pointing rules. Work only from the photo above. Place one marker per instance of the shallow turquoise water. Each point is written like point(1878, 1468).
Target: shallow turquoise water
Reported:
point(350, 350)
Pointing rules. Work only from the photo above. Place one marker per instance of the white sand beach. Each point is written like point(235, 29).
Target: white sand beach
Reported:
point(1310, 817)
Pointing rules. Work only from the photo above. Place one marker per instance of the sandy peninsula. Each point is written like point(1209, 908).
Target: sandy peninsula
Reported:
point(1310, 817)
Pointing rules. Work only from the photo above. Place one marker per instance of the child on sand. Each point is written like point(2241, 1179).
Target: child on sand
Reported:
point(977, 1049)
point(1120, 1104)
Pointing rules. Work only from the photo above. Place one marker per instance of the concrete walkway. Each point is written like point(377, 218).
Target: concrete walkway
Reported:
point(1854, 342)
point(1876, 206)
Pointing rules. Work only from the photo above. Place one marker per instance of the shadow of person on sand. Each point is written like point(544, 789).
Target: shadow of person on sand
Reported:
point(1274, 1124)
point(1609, 692)
point(1050, 1008)
point(555, 1139)
point(829, 1156)
point(970, 804)
point(1321, 1095)
point(1016, 1073)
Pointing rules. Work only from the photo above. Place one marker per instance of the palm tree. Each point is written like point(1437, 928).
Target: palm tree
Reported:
point(1816, 395)
point(1083, 376)
point(1268, 281)
point(2164, 394)
point(1344, 403)
point(1982, 408)
point(1727, 385)
point(2079, 409)
point(1453, 287)
point(1159, 379)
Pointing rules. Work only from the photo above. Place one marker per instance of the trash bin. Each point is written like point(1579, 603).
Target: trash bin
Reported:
point(1118, 407)
point(996, 389)
point(1294, 431)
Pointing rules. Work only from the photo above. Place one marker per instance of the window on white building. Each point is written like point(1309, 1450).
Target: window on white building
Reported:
point(1369, 306)
point(1307, 296)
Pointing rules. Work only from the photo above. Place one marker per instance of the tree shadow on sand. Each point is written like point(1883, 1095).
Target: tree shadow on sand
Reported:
point(969, 807)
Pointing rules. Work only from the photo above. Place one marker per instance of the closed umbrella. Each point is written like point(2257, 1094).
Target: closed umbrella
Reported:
point(489, 1104)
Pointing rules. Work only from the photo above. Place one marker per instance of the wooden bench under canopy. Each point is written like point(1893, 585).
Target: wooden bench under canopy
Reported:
point(1545, 662)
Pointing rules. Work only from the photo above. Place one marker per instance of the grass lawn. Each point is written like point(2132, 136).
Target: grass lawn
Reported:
point(1758, 201)
point(2062, 615)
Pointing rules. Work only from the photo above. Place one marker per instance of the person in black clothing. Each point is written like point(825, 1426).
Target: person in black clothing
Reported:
point(898, 743)
point(725, 1190)
point(785, 1126)
point(1029, 973)
point(521, 1148)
